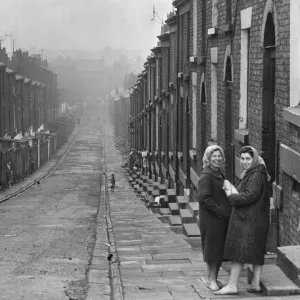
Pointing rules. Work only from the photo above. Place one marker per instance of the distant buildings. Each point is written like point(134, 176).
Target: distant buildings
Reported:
point(29, 97)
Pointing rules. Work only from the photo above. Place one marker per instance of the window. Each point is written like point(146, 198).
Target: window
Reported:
point(228, 11)
point(214, 102)
point(244, 75)
point(215, 13)
point(246, 19)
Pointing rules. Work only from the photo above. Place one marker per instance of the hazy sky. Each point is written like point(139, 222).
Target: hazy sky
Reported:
point(82, 24)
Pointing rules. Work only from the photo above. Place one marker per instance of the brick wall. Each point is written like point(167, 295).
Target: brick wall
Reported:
point(229, 45)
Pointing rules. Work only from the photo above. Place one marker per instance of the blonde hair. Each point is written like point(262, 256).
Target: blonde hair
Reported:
point(208, 153)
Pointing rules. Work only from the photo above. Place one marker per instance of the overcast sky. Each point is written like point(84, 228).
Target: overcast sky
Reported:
point(82, 24)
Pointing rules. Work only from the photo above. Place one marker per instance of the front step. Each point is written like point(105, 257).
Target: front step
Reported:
point(181, 201)
point(162, 189)
point(175, 221)
point(288, 260)
point(155, 185)
point(171, 193)
point(274, 282)
point(191, 230)
point(186, 216)
point(150, 181)
point(150, 189)
point(174, 208)
point(139, 173)
point(193, 207)
point(177, 229)
point(144, 178)
point(164, 211)
point(139, 191)
point(155, 193)
point(164, 219)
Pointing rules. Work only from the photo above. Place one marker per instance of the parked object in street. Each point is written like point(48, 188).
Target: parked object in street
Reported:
point(144, 161)
point(112, 182)
point(9, 174)
point(249, 223)
point(214, 212)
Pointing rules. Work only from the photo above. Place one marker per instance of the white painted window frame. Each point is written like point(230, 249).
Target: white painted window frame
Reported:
point(214, 93)
point(246, 20)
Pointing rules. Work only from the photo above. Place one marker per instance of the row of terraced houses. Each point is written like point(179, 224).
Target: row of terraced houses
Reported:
point(33, 120)
point(223, 72)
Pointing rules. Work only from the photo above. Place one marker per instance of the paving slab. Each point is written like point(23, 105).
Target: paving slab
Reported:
point(275, 283)
point(191, 230)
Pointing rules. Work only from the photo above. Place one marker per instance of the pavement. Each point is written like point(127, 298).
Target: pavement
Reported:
point(150, 261)
point(134, 255)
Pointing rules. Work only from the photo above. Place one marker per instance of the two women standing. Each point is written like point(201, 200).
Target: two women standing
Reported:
point(242, 238)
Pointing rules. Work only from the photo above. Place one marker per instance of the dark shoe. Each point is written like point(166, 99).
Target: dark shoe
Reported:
point(254, 290)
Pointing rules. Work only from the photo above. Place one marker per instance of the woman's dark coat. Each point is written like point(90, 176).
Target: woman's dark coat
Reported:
point(214, 213)
point(249, 222)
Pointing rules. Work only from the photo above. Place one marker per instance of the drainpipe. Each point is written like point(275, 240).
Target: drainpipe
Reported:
point(187, 125)
point(177, 108)
point(277, 209)
point(167, 118)
point(149, 114)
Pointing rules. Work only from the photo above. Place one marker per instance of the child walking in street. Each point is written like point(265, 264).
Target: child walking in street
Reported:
point(112, 182)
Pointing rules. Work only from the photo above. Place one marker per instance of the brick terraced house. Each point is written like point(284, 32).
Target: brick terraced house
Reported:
point(225, 72)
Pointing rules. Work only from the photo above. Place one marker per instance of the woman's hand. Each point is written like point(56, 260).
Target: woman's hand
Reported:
point(228, 192)
point(229, 188)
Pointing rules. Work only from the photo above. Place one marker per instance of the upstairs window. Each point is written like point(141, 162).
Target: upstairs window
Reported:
point(228, 11)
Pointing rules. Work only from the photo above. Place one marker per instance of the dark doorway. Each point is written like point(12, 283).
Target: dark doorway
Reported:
point(228, 121)
point(203, 120)
point(268, 115)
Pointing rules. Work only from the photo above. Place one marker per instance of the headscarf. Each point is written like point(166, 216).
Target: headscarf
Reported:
point(208, 152)
point(257, 160)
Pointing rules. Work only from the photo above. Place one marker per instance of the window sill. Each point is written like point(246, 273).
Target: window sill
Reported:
point(180, 156)
point(193, 154)
point(292, 115)
point(212, 31)
point(242, 135)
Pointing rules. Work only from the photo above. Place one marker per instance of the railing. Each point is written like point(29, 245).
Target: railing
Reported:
point(26, 156)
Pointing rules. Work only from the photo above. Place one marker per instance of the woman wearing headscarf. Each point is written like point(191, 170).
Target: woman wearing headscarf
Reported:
point(249, 223)
point(214, 211)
